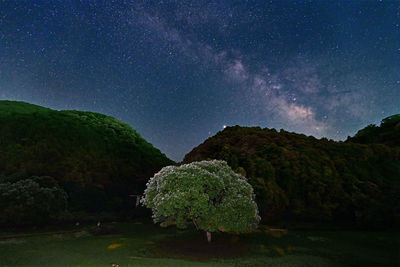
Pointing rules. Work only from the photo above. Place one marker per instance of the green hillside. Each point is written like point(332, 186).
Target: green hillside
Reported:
point(95, 158)
point(302, 178)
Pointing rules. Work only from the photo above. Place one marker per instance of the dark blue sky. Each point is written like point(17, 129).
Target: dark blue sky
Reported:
point(178, 71)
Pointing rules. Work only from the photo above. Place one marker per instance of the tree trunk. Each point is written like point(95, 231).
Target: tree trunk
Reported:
point(208, 237)
point(137, 201)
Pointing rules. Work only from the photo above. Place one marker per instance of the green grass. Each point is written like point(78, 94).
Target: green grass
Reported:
point(145, 244)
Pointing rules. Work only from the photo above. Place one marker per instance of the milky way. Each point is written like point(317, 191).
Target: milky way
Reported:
point(179, 71)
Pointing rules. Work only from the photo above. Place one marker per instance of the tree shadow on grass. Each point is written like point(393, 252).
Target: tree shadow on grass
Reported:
point(196, 247)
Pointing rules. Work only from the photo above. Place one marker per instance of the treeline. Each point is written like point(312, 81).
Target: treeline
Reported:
point(97, 160)
point(387, 133)
point(298, 177)
point(58, 165)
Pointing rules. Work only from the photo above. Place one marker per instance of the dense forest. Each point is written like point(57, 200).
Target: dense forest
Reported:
point(93, 158)
point(58, 164)
point(387, 133)
point(298, 177)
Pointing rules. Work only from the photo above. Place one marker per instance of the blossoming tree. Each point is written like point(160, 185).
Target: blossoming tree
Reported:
point(206, 193)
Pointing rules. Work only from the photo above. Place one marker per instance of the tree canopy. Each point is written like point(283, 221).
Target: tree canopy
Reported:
point(95, 158)
point(388, 133)
point(30, 200)
point(206, 193)
point(298, 177)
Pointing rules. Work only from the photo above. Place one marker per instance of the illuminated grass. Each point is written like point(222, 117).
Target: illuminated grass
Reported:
point(144, 244)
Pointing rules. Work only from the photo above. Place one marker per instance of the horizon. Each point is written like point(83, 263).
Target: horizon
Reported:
point(223, 128)
point(179, 72)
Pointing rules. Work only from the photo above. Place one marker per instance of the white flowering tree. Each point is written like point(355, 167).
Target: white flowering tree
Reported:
point(206, 193)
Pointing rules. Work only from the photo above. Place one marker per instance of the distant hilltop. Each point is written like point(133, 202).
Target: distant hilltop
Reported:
point(388, 133)
point(303, 178)
point(97, 159)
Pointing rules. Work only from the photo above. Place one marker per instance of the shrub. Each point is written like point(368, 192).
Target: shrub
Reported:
point(29, 202)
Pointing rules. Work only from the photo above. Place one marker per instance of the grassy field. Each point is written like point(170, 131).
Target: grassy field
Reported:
point(145, 244)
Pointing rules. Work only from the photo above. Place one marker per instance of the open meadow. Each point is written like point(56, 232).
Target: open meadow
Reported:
point(142, 243)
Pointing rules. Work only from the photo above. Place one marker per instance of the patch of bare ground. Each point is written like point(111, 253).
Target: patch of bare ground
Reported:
point(197, 248)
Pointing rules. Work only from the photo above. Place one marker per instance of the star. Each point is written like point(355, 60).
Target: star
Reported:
point(175, 71)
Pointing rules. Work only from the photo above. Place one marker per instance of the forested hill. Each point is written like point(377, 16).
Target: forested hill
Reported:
point(300, 177)
point(387, 133)
point(97, 159)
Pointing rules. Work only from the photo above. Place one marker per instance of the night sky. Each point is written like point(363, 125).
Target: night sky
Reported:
point(179, 71)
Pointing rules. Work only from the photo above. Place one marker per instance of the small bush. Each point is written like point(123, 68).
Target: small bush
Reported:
point(33, 200)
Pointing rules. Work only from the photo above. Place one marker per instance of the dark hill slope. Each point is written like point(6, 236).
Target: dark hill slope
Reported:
point(97, 159)
point(387, 133)
point(300, 177)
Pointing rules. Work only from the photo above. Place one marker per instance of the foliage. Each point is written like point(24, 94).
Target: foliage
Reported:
point(95, 158)
point(296, 177)
point(387, 133)
point(32, 200)
point(207, 193)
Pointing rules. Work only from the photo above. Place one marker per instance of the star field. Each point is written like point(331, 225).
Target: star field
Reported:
point(180, 71)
